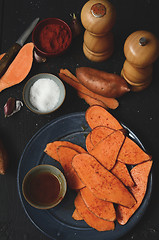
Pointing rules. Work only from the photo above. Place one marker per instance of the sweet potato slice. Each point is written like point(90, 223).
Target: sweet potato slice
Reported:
point(51, 148)
point(92, 220)
point(19, 68)
point(106, 151)
point(76, 215)
point(66, 72)
point(111, 103)
point(140, 175)
point(120, 171)
point(65, 155)
point(131, 153)
point(98, 116)
point(100, 181)
point(89, 145)
point(99, 133)
point(90, 100)
point(100, 208)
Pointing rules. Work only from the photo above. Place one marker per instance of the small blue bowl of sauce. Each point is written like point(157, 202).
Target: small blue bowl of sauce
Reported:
point(44, 186)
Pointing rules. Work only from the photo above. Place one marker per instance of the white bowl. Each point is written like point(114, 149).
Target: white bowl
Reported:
point(29, 84)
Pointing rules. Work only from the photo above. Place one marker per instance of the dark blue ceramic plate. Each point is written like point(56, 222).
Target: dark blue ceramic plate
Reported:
point(57, 223)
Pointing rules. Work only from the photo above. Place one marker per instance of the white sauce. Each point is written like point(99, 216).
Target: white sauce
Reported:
point(44, 94)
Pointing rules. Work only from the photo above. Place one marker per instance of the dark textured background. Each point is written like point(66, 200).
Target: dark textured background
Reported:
point(139, 111)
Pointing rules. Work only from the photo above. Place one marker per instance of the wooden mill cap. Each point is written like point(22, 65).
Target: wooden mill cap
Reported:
point(98, 16)
point(141, 48)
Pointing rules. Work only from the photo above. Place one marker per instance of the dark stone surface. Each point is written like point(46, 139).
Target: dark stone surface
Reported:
point(138, 111)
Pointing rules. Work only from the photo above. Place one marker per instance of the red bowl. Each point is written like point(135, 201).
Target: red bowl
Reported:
point(51, 37)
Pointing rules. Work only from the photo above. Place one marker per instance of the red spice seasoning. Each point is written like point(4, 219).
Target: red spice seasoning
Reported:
point(54, 38)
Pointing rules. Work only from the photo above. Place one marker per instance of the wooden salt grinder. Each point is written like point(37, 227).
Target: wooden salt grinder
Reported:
point(98, 18)
point(141, 49)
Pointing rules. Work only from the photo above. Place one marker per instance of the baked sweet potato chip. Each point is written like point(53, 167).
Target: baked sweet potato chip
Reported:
point(99, 116)
point(106, 151)
point(100, 208)
point(51, 148)
point(140, 175)
point(131, 153)
point(76, 215)
point(99, 133)
point(89, 145)
point(92, 220)
point(97, 187)
point(100, 181)
point(120, 171)
point(65, 155)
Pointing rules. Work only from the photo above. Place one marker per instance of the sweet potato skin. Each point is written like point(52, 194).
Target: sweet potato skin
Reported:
point(140, 175)
point(100, 208)
point(100, 181)
point(102, 83)
point(92, 220)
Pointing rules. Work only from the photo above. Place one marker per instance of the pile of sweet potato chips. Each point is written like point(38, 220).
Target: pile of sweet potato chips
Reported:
point(106, 190)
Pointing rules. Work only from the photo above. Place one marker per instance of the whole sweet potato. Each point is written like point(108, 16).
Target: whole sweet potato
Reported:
point(102, 83)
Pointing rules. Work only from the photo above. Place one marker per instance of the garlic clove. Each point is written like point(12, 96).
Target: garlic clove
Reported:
point(12, 106)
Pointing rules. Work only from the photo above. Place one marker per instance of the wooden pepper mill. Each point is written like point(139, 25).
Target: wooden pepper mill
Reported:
point(141, 49)
point(98, 18)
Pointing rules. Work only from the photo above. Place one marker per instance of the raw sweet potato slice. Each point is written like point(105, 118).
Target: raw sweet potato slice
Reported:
point(106, 151)
point(66, 155)
point(140, 175)
point(89, 145)
point(19, 68)
point(100, 208)
point(92, 220)
point(66, 72)
point(99, 133)
point(131, 153)
point(100, 181)
point(90, 100)
point(76, 215)
point(120, 171)
point(99, 116)
point(51, 148)
point(109, 102)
